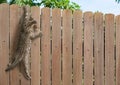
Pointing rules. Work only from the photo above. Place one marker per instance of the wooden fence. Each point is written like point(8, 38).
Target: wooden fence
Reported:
point(75, 49)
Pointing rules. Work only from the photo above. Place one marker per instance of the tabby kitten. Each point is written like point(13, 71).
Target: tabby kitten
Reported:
point(28, 33)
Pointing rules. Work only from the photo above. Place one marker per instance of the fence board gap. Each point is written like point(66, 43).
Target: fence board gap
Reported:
point(77, 48)
point(88, 48)
point(4, 43)
point(40, 47)
point(99, 48)
point(61, 47)
point(67, 47)
point(45, 47)
point(56, 47)
point(109, 50)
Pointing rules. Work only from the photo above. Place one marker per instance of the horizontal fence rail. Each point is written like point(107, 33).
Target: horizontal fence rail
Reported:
point(76, 48)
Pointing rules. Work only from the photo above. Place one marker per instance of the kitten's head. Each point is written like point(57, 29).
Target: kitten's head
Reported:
point(30, 25)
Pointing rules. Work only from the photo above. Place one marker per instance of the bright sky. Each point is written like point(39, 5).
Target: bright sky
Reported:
point(104, 6)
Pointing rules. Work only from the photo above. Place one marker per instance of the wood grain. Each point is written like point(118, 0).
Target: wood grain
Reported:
point(77, 47)
point(99, 48)
point(109, 50)
point(67, 47)
point(118, 50)
point(56, 47)
point(88, 48)
point(45, 47)
point(4, 43)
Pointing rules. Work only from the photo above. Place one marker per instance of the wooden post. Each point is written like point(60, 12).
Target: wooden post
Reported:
point(99, 48)
point(56, 47)
point(109, 50)
point(4, 43)
point(45, 46)
point(77, 47)
point(67, 47)
point(88, 48)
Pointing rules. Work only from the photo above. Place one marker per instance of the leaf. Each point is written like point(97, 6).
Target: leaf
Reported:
point(2, 1)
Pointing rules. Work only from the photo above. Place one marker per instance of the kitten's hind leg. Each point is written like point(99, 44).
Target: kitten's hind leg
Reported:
point(25, 67)
point(11, 60)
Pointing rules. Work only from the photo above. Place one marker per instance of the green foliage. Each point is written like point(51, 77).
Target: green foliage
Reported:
point(62, 4)
point(117, 1)
point(2, 1)
point(23, 2)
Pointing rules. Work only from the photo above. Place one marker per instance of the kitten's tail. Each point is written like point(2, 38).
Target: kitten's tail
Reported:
point(26, 12)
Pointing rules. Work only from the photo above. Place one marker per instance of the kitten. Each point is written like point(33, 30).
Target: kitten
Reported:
point(29, 32)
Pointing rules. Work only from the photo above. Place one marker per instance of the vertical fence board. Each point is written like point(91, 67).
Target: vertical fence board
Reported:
point(24, 81)
point(67, 47)
point(56, 47)
point(4, 43)
point(88, 48)
point(45, 47)
point(109, 49)
point(35, 51)
point(14, 22)
point(118, 50)
point(77, 48)
point(99, 48)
